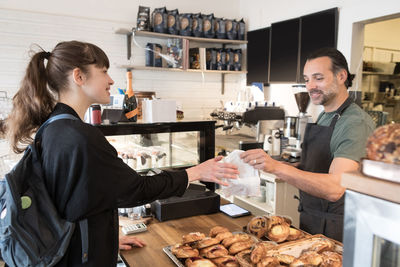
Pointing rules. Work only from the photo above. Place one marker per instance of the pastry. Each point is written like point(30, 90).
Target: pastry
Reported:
point(240, 246)
point(260, 251)
point(206, 242)
point(214, 251)
point(184, 251)
point(243, 258)
point(223, 236)
point(279, 233)
point(226, 261)
point(384, 144)
point(322, 245)
point(285, 259)
point(268, 262)
point(192, 237)
point(310, 257)
point(217, 229)
point(275, 220)
point(235, 238)
point(331, 259)
point(294, 234)
point(199, 262)
point(258, 226)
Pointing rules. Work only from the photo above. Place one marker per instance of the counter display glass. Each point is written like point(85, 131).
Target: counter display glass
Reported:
point(167, 145)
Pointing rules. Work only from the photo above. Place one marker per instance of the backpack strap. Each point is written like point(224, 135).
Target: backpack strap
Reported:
point(52, 119)
point(83, 224)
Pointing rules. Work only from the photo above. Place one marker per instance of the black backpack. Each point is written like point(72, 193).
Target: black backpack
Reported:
point(32, 233)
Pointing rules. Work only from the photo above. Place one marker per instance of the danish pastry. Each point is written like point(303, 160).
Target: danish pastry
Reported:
point(206, 242)
point(223, 236)
point(279, 232)
point(240, 246)
point(214, 251)
point(331, 259)
point(294, 234)
point(268, 262)
point(184, 251)
point(260, 250)
point(258, 226)
point(192, 237)
point(243, 258)
point(309, 257)
point(235, 238)
point(199, 262)
point(226, 261)
point(217, 229)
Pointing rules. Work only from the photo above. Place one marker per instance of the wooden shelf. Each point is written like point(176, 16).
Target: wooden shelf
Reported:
point(191, 38)
point(133, 67)
point(380, 74)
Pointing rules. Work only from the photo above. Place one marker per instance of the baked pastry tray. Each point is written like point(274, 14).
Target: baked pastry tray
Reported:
point(381, 170)
point(167, 250)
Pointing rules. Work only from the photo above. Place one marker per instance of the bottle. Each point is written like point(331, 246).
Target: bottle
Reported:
point(130, 104)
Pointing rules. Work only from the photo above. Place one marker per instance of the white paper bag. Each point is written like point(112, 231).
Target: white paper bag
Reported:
point(248, 182)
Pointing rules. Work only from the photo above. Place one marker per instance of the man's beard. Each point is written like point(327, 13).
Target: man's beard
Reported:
point(327, 96)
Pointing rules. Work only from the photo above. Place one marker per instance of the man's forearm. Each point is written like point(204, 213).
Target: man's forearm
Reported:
point(322, 185)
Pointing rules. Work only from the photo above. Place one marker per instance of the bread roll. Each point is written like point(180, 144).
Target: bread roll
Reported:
point(384, 144)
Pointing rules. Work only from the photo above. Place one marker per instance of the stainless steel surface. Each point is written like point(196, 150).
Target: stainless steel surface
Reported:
point(367, 218)
point(265, 127)
point(167, 250)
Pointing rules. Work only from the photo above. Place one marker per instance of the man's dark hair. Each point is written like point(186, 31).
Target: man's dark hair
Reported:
point(338, 62)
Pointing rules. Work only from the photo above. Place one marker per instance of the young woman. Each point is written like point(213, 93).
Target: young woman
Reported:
point(83, 173)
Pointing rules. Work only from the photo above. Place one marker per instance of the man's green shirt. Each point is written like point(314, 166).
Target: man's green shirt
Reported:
point(349, 138)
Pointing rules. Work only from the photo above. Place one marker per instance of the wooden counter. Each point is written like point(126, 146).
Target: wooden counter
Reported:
point(161, 234)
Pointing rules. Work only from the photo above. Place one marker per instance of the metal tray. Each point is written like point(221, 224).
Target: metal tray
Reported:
point(381, 170)
point(167, 250)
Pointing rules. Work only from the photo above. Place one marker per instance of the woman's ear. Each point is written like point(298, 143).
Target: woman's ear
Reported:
point(78, 76)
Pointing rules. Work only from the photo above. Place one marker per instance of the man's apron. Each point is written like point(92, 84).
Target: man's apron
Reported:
point(317, 215)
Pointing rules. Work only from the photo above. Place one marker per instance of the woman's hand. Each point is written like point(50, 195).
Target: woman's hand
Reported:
point(126, 242)
point(213, 171)
point(259, 160)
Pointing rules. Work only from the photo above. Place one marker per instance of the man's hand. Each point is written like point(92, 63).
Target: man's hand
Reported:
point(126, 242)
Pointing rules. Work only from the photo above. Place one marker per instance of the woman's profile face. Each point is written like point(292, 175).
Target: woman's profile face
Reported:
point(97, 85)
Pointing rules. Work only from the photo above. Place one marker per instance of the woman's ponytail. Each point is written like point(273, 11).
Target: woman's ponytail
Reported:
point(32, 104)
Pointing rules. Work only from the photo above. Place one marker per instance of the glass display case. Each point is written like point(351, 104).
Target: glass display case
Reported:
point(149, 146)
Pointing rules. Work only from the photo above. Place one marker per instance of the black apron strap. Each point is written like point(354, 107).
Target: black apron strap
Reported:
point(83, 225)
point(340, 110)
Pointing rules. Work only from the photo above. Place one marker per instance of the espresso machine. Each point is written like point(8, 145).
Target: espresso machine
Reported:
point(262, 123)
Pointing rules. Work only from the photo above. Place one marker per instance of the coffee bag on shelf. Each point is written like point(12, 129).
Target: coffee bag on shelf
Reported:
point(173, 21)
point(185, 24)
point(143, 19)
point(208, 26)
point(159, 20)
point(231, 29)
point(197, 26)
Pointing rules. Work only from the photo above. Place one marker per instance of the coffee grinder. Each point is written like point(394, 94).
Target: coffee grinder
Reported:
point(302, 100)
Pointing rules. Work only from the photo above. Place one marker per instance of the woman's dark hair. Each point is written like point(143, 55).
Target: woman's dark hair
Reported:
point(42, 84)
point(338, 62)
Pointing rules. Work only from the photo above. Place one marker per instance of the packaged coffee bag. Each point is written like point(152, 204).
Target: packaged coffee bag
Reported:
point(153, 58)
point(208, 26)
point(185, 24)
point(197, 27)
point(241, 28)
point(231, 29)
point(221, 59)
point(174, 51)
point(237, 60)
point(159, 20)
point(219, 28)
point(173, 21)
point(143, 19)
point(194, 58)
point(229, 59)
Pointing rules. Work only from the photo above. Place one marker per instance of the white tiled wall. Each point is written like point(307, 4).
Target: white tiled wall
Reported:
point(197, 95)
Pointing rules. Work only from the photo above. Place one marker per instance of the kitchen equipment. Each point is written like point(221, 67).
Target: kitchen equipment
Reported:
point(302, 101)
point(291, 126)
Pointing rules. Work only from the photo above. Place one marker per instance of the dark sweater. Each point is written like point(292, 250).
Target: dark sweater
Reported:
point(86, 179)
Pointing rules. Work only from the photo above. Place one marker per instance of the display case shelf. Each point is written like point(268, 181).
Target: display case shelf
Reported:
point(135, 67)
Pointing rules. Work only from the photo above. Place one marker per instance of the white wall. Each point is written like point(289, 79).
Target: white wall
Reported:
point(261, 13)
point(47, 22)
